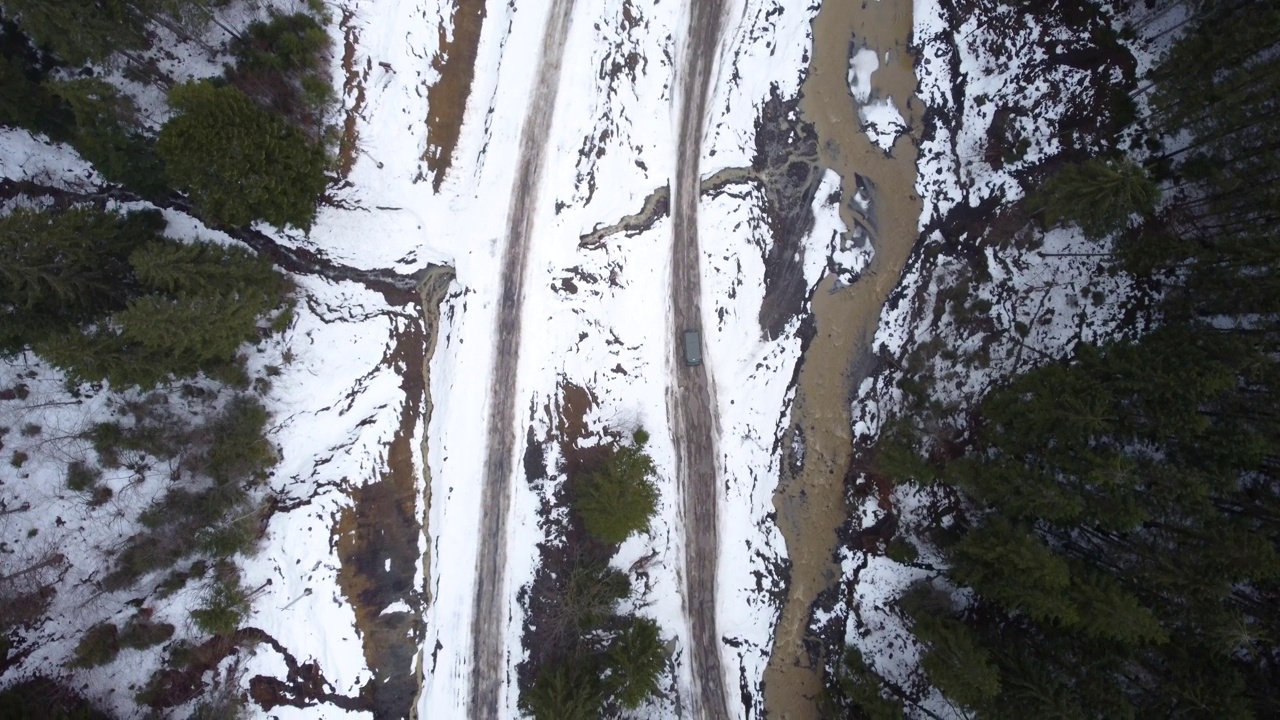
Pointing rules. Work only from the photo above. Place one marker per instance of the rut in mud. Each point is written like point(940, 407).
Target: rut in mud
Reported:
point(810, 500)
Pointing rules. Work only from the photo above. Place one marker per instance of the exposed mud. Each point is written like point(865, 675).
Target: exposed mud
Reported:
point(353, 88)
point(811, 494)
point(377, 543)
point(786, 160)
point(656, 206)
point(447, 98)
point(378, 536)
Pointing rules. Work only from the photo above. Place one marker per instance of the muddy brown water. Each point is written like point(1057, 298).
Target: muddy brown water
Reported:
point(811, 501)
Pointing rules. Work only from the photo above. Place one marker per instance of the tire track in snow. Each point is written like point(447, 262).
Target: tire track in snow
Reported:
point(489, 618)
point(691, 401)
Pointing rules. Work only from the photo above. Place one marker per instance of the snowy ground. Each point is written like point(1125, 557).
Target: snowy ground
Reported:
point(612, 144)
point(338, 400)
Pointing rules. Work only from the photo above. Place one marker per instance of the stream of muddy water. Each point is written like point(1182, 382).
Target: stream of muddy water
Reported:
point(811, 493)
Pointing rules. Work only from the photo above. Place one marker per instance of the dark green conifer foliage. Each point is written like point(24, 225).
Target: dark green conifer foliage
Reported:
point(106, 135)
point(567, 691)
point(619, 498)
point(861, 691)
point(635, 660)
point(1098, 195)
point(59, 269)
point(238, 162)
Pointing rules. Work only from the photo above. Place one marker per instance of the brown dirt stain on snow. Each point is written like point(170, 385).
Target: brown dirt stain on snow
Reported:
point(353, 88)
point(447, 98)
point(811, 501)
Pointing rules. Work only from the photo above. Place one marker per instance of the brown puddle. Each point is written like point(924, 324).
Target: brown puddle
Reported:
point(447, 98)
point(811, 494)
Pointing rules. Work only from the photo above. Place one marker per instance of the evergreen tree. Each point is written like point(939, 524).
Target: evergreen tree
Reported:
point(240, 163)
point(282, 65)
point(860, 690)
point(84, 31)
point(1098, 195)
point(61, 269)
point(105, 134)
point(567, 691)
point(635, 659)
point(618, 499)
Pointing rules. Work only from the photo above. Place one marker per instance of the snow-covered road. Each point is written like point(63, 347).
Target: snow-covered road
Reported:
point(487, 626)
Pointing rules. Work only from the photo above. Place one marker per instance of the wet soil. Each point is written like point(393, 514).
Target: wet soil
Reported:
point(447, 98)
point(786, 160)
point(353, 88)
point(656, 206)
point(378, 536)
point(377, 544)
point(810, 500)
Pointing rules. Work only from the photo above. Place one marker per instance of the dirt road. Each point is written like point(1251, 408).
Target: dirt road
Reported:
point(489, 621)
point(691, 402)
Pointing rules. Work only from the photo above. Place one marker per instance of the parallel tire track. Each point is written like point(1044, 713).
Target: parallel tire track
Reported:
point(489, 621)
point(693, 419)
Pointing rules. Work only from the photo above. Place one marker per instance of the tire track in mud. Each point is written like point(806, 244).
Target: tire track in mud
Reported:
point(488, 622)
point(691, 400)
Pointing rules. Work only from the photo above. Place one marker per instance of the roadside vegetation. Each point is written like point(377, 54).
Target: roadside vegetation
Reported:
point(1105, 529)
point(592, 660)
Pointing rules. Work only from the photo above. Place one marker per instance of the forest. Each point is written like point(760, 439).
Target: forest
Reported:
point(1103, 540)
point(101, 287)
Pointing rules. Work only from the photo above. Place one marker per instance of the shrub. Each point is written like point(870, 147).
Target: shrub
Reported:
point(99, 646)
point(238, 536)
point(224, 608)
point(19, 458)
point(178, 579)
point(82, 477)
point(101, 496)
point(239, 451)
point(141, 634)
point(901, 550)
